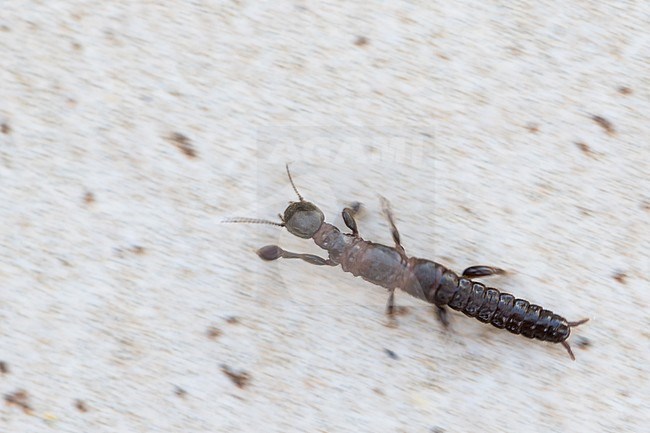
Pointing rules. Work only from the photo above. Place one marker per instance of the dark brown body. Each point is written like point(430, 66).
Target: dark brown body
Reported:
point(429, 281)
point(434, 283)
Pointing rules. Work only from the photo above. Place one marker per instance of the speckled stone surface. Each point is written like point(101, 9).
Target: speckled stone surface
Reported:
point(515, 137)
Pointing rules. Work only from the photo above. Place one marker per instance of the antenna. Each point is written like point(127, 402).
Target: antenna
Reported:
point(251, 221)
point(292, 184)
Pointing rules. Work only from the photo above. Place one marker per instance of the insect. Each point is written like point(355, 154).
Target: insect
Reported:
point(391, 268)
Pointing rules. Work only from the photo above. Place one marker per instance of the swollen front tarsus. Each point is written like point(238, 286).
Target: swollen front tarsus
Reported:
point(348, 219)
point(274, 252)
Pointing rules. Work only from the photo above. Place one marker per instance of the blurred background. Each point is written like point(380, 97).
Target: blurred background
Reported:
point(502, 135)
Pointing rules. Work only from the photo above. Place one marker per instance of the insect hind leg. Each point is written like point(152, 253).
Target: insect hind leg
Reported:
point(482, 271)
point(442, 316)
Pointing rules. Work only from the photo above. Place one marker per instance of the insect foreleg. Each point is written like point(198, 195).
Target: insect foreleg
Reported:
point(274, 252)
point(348, 219)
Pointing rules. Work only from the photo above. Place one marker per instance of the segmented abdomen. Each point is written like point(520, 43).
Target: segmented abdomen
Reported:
point(503, 310)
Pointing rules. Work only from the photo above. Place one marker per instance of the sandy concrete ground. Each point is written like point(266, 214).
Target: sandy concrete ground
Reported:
point(130, 129)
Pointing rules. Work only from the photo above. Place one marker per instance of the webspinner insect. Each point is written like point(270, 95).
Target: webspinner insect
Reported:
point(391, 268)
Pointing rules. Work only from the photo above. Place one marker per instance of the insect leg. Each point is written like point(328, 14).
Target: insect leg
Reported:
point(348, 216)
point(393, 229)
point(441, 312)
point(482, 271)
point(390, 304)
point(274, 252)
point(348, 219)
